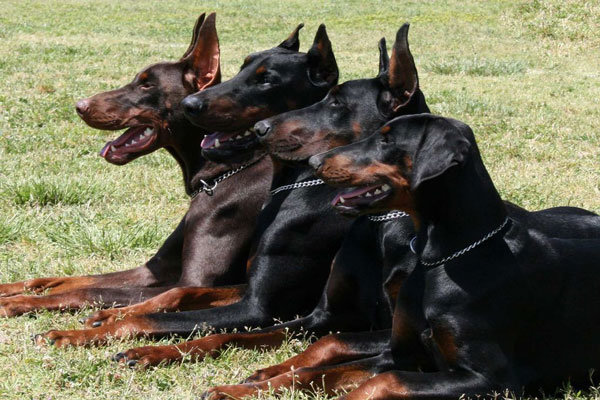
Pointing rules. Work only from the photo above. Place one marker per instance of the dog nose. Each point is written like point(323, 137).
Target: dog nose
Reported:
point(315, 162)
point(262, 128)
point(82, 107)
point(192, 106)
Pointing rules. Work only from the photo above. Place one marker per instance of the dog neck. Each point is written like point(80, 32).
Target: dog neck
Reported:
point(457, 209)
point(185, 148)
point(286, 174)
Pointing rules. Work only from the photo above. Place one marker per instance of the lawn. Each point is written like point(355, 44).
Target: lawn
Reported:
point(524, 75)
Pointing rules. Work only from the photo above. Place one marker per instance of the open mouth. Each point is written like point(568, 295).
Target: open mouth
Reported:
point(134, 140)
point(363, 197)
point(236, 140)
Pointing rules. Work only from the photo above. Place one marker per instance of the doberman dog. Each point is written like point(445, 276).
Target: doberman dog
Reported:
point(289, 268)
point(150, 107)
point(494, 302)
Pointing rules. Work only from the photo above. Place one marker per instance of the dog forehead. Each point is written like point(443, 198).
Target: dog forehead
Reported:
point(163, 73)
point(358, 90)
point(156, 70)
point(274, 58)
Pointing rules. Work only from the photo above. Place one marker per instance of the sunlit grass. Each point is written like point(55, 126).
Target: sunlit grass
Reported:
point(524, 74)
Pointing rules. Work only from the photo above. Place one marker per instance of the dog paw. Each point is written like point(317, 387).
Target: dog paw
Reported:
point(148, 356)
point(265, 373)
point(67, 338)
point(228, 392)
point(15, 305)
point(101, 317)
point(12, 289)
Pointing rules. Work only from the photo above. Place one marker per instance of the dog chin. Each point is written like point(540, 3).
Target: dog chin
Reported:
point(229, 156)
point(349, 211)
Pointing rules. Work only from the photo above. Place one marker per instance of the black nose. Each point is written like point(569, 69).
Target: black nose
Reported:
point(192, 106)
point(315, 162)
point(262, 129)
point(82, 107)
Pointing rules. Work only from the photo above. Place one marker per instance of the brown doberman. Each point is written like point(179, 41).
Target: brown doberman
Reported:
point(287, 272)
point(221, 216)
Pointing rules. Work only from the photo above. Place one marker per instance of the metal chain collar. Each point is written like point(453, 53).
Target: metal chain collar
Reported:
point(388, 216)
point(209, 189)
point(297, 185)
point(466, 249)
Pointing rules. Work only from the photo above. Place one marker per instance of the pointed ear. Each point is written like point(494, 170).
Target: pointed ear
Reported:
point(442, 146)
point(402, 79)
point(292, 42)
point(322, 67)
point(197, 26)
point(203, 60)
point(384, 59)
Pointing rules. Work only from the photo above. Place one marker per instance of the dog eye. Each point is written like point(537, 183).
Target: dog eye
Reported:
point(265, 80)
point(385, 138)
point(335, 103)
point(146, 85)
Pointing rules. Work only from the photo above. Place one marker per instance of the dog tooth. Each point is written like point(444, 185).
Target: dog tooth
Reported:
point(113, 148)
point(377, 191)
point(217, 143)
point(342, 200)
point(368, 194)
point(247, 133)
point(148, 131)
point(127, 144)
point(386, 187)
point(238, 137)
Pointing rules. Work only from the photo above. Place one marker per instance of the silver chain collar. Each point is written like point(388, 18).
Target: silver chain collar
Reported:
point(297, 185)
point(388, 216)
point(463, 251)
point(209, 189)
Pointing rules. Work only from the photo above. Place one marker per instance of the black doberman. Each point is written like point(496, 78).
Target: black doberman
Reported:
point(288, 268)
point(150, 107)
point(496, 303)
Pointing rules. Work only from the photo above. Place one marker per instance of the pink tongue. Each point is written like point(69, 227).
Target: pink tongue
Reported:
point(104, 150)
point(209, 140)
point(129, 133)
point(353, 193)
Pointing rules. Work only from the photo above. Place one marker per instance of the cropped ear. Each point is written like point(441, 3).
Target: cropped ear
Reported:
point(384, 59)
point(322, 67)
point(442, 146)
point(197, 26)
point(402, 80)
point(292, 42)
point(204, 58)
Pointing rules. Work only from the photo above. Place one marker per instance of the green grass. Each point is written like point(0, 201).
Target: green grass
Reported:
point(524, 75)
